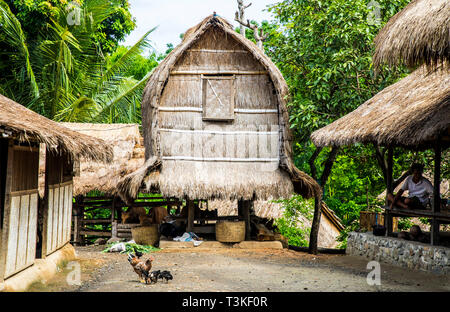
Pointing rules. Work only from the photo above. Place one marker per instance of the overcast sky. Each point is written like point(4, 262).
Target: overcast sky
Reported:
point(174, 17)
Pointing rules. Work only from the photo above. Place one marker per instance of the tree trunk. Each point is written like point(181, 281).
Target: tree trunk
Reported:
point(314, 235)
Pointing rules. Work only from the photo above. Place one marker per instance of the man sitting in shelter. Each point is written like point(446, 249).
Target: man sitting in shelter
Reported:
point(420, 189)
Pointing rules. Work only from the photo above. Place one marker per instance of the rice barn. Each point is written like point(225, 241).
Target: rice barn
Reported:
point(216, 126)
point(35, 229)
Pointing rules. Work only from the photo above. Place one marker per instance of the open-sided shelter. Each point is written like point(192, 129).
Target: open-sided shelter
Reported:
point(215, 122)
point(412, 113)
point(22, 131)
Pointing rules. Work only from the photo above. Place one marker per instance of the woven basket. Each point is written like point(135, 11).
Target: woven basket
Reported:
point(146, 235)
point(230, 231)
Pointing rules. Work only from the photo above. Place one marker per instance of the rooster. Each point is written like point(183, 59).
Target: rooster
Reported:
point(142, 268)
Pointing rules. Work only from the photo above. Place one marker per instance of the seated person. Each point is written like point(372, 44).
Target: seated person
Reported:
point(420, 189)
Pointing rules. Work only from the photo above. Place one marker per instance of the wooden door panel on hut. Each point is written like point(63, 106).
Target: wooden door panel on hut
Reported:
point(20, 209)
point(58, 212)
point(218, 97)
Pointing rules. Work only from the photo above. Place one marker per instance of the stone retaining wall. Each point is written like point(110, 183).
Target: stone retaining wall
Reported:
point(413, 255)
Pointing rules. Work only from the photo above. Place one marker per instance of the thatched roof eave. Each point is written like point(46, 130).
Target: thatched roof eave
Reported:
point(420, 33)
point(128, 156)
point(25, 125)
point(411, 113)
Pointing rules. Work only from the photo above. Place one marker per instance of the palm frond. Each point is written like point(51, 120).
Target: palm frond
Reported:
point(125, 105)
point(123, 63)
point(15, 37)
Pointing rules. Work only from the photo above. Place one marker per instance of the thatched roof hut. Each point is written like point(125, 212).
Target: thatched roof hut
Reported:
point(420, 33)
point(24, 125)
point(215, 122)
point(128, 150)
point(411, 113)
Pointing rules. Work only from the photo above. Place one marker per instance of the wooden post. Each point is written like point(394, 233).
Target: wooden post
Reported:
point(114, 229)
point(436, 193)
point(388, 222)
point(44, 236)
point(77, 221)
point(246, 214)
point(80, 219)
point(7, 210)
point(113, 209)
point(191, 212)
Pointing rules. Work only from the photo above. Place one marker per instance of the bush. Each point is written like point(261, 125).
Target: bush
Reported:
point(291, 225)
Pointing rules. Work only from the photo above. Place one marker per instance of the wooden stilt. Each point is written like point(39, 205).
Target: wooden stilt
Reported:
point(436, 193)
point(246, 214)
point(191, 211)
point(389, 187)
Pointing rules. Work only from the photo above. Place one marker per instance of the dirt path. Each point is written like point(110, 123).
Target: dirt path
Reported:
point(240, 270)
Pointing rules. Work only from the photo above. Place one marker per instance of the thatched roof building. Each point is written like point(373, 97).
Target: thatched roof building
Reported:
point(25, 125)
point(215, 122)
point(128, 150)
point(410, 113)
point(29, 227)
point(420, 33)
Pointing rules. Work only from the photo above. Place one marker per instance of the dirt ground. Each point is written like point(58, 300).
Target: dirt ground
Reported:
point(242, 270)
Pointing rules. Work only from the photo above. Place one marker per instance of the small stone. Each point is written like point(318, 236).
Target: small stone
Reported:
point(113, 240)
point(100, 241)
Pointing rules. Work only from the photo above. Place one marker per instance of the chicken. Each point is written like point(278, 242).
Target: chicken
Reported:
point(155, 275)
point(142, 268)
point(137, 253)
point(165, 275)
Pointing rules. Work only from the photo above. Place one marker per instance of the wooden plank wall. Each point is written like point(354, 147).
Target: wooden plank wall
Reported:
point(58, 202)
point(59, 215)
point(21, 243)
point(20, 210)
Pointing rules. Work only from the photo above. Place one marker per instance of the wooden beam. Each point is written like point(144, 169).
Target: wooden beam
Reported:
point(191, 212)
point(95, 233)
point(436, 193)
point(219, 72)
point(246, 205)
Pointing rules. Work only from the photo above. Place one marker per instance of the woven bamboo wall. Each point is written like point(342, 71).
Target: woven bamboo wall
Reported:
point(252, 132)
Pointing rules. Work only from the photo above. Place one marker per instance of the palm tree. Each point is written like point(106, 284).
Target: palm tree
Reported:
point(67, 77)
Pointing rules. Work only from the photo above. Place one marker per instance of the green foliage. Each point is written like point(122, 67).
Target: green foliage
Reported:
point(140, 64)
point(404, 224)
point(73, 81)
point(324, 50)
point(291, 224)
point(35, 15)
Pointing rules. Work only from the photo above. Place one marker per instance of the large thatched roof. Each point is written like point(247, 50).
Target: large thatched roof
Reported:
point(26, 125)
point(215, 180)
point(410, 113)
point(126, 143)
point(420, 33)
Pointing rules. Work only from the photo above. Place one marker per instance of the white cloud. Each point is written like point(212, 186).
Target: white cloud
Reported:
point(174, 17)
